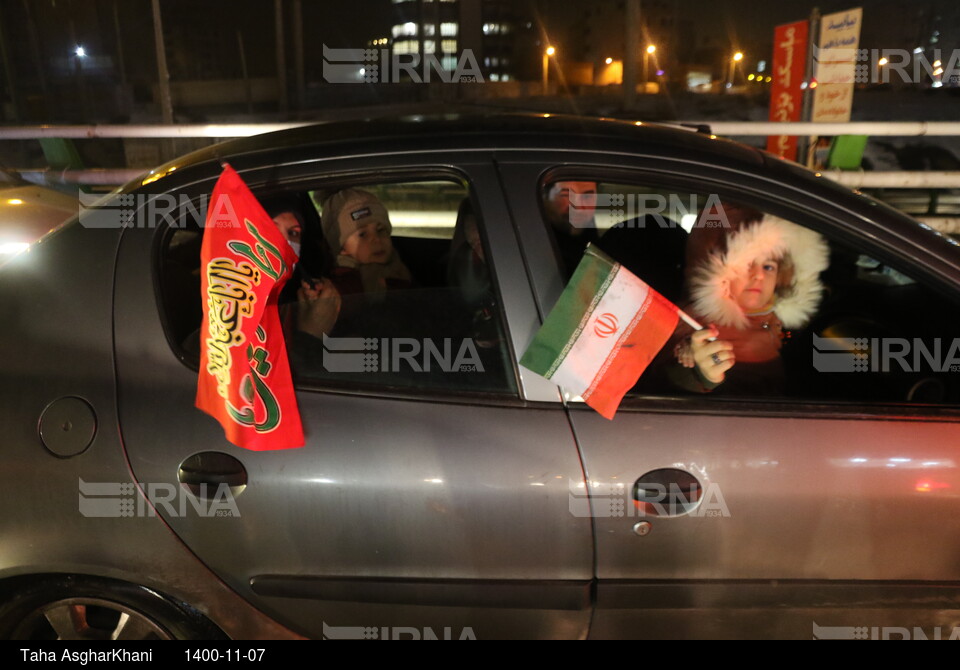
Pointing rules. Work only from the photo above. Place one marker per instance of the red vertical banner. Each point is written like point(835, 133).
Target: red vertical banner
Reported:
point(786, 95)
point(245, 381)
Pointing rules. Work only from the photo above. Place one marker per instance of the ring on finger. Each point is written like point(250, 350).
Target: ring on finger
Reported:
point(716, 359)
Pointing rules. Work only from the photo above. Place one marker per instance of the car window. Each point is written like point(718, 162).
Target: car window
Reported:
point(416, 306)
point(857, 329)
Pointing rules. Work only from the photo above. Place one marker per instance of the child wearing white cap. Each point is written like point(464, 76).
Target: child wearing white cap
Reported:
point(357, 229)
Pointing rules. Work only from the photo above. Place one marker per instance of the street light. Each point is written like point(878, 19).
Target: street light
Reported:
point(650, 50)
point(548, 52)
point(880, 64)
point(737, 57)
point(608, 61)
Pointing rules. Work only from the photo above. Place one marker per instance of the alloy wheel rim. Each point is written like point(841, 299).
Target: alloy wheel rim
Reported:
point(91, 619)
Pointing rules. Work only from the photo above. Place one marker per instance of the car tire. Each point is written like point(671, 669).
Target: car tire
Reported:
point(70, 607)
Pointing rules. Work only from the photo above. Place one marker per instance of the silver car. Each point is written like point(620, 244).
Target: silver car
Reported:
point(444, 490)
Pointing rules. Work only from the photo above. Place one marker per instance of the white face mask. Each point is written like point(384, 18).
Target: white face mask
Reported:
point(296, 248)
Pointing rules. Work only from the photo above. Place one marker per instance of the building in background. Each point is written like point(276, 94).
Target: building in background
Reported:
point(497, 32)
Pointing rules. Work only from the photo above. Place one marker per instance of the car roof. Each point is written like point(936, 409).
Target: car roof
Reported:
point(504, 133)
point(493, 131)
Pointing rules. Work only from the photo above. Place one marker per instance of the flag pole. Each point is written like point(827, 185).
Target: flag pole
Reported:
point(690, 321)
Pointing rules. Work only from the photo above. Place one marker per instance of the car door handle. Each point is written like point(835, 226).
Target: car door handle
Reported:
point(204, 474)
point(667, 492)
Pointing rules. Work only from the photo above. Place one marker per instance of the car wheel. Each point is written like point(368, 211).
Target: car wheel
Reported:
point(74, 608)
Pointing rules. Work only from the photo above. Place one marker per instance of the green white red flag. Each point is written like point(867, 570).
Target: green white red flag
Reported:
point(244, 380)
point(602, 334)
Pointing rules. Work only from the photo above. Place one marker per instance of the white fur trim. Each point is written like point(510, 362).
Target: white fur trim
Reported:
point(772, 237)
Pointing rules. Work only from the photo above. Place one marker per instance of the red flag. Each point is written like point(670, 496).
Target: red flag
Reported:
point(245, 381)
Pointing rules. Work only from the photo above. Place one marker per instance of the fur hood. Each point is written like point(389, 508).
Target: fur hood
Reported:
point(771, 237)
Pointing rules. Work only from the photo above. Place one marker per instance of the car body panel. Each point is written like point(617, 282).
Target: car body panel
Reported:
point(58, 309)
point(460, 498)
point(822, 495)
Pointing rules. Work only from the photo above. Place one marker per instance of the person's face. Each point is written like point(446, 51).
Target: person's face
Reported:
point(754, 291)
point(572, 203)
point(289, 226)
point(369, 244)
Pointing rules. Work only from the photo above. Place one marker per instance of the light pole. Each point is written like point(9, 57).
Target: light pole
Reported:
point(737, 57)
point(549, 51)
point(650, 50)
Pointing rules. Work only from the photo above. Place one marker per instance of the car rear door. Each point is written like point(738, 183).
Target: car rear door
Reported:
point(811, 518)
point(410, 513)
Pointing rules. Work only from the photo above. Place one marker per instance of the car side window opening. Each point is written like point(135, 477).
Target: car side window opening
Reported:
point(416, 306)
point(875, 335)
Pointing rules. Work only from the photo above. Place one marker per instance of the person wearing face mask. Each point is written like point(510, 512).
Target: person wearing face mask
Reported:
point(308, 303)
point(749, 284)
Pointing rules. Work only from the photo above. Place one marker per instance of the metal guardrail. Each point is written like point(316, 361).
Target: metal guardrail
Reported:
point(873, 128)
point(91, 177)
point(851, 179)
point(183, 130)
point(899, 179)
point(727, 128)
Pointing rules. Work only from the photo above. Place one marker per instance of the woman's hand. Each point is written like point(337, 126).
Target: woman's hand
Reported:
point(318, 307)
point(712, 357)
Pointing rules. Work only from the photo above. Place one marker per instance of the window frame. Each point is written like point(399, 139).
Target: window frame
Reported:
point(832, 220)
point(360, 177)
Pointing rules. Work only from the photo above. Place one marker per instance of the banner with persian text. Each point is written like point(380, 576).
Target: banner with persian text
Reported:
point(786, 93)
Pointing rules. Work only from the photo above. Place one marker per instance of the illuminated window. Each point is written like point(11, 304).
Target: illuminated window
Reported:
point(405, 30)
point(429, 30)
point(406, 47)
point(449, 46)
point(429, 47)
point(448, 29)
point(495, 28)
point(449, 62)
point(494, 77)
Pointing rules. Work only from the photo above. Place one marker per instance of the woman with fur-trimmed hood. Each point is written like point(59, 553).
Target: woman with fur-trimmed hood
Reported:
point(749, 283)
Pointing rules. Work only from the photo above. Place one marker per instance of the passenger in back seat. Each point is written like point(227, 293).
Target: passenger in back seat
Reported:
point(357, 229)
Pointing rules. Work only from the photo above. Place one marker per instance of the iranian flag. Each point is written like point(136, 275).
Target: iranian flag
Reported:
point(244, 380)
point(602, 333)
